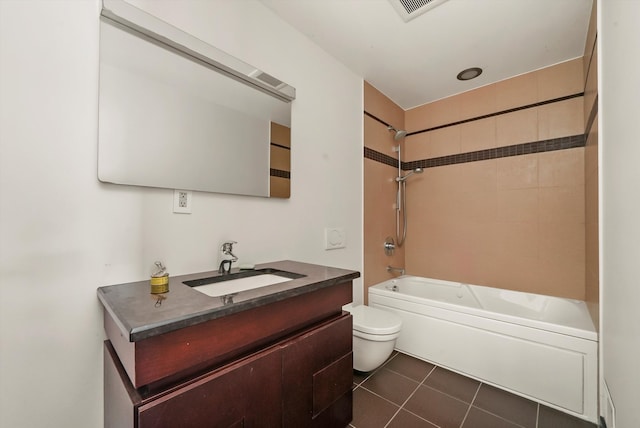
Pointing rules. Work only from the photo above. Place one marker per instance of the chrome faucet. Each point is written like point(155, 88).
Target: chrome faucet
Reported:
point(227, 250)
point(221, 268)
point(395, 269)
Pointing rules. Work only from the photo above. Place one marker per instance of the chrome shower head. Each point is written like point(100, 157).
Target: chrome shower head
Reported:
point(399, 133)
point(409, 174)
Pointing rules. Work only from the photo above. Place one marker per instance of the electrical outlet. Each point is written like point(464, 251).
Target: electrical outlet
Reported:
point(182, 201)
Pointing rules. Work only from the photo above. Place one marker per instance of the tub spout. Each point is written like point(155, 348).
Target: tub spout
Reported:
point(395, 269)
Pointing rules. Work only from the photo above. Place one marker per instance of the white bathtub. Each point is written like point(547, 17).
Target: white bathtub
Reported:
point(540, 347)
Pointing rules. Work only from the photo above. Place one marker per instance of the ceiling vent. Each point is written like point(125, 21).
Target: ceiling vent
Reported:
point(411, 9)
point(267, 78)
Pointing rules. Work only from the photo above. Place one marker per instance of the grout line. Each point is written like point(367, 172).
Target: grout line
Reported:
point(422, 383)
point(419, 384)
point(407, 400)
point(500, 417)
point(429, 374)
point(476, 394)
point(470, 405)
point(387, 400)
point(493, 414)
point(421, 418)
point(366, 377)
point(394, 415)
point(444, 393)
point(371, 373)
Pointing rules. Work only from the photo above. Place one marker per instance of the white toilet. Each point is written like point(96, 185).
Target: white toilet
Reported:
point(374, 336)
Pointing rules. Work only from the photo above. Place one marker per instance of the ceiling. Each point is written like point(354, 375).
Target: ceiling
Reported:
point(416, 62)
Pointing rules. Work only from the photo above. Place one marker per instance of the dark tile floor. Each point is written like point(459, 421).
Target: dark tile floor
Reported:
point(409, 393)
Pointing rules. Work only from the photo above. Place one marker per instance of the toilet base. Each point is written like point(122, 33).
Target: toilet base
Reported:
point(369, 355)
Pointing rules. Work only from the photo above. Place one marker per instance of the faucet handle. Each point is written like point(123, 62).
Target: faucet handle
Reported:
point(227, 247)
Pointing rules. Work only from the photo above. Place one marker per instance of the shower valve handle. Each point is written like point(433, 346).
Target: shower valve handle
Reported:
point(389, 246)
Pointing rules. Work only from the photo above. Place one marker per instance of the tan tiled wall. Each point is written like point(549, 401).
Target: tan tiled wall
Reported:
point(591, 171)
point(525, 222)
point(280, 158)
point(514, 222)
point(379, 187)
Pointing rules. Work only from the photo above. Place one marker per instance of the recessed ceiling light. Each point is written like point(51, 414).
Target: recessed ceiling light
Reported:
point(469, 73)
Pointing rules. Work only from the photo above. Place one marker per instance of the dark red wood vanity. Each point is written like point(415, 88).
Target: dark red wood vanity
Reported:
point(277, 356)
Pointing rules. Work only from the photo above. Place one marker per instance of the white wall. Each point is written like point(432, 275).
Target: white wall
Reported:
point(619, 95)
point(63, 234)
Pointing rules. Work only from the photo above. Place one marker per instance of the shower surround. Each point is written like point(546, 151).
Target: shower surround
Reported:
point(501, 201)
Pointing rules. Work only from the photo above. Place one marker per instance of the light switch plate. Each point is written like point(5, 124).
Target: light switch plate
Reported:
point(334, 238)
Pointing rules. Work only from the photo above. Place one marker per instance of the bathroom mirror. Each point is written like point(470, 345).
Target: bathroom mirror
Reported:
point(168, 119)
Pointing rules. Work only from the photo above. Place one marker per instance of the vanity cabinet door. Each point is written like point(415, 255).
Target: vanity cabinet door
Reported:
point(244, 394)
point(318, 377)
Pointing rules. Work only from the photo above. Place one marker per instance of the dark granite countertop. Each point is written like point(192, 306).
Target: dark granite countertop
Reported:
point(140, 314)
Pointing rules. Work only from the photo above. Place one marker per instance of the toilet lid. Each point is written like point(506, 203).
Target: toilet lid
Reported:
point(374, 321)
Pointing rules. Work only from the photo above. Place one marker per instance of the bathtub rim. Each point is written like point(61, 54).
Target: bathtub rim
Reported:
point(587, 334)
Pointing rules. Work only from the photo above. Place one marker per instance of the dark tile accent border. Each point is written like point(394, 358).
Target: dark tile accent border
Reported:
point(498, 152)
point(593, 49)
point(281, 146)
point(279, 173)
point(484, 116)
point(376, 118)
point(592, 116)
point(380, 157)
point(511, 110)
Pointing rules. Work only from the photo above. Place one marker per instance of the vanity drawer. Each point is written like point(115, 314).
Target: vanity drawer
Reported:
point(161, 359)
point(304, 380)
point(317, 376)
point(243, 394)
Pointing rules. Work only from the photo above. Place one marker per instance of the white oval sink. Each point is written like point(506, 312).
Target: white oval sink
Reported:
point(231, 286)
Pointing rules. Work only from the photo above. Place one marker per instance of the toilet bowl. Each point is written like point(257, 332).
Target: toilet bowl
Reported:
point(374, 336)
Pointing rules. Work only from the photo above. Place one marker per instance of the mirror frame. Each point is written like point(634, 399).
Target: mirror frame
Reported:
point(151, 29)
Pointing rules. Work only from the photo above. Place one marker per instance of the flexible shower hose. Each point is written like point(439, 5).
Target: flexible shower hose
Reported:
point(401, 207)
